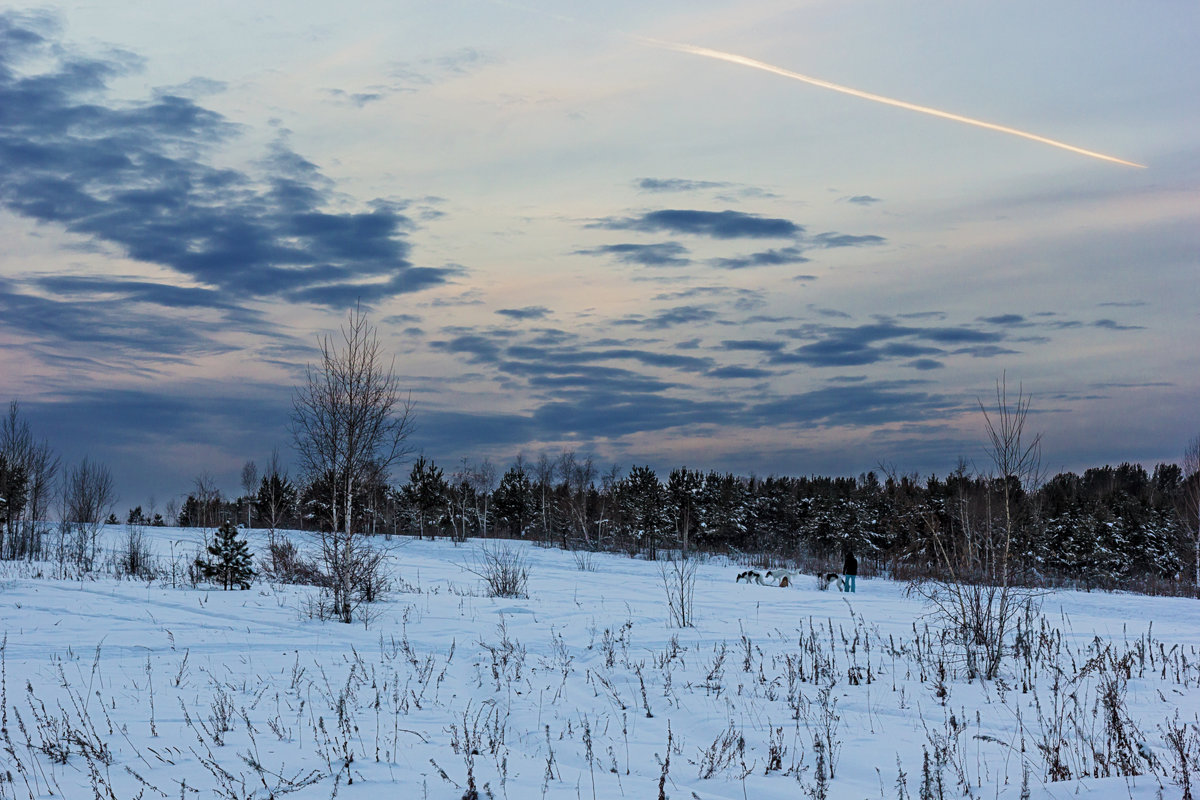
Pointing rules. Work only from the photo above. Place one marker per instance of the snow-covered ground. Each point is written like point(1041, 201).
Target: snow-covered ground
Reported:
point(583, 689)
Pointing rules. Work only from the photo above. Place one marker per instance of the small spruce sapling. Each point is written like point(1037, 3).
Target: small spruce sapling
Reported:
point(230, 559)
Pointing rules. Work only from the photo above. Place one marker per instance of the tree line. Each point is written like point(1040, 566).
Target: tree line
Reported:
point(1109, 527)
point(1106, 527)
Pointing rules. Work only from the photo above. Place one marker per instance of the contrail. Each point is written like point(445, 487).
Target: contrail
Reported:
point(750, 62)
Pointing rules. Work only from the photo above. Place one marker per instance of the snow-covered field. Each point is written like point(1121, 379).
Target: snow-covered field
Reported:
point(583, 689)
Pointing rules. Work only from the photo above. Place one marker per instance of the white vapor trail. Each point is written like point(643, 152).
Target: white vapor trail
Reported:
point(750, 62)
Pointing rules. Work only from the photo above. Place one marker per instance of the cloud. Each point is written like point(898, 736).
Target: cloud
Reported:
point(1004, 319)
point(881, 341)
point(926, 364)
point(829, 312)
point(736, 372)
point(612, 414)
point(865, 403)
point(193, 87)
point(752, 345)
point(591, 378)
point(765, 258)
point(528, 312)
point(742, 298)
point(663, 254)
point(909, 349)
point(447, 432)
point(480, 348)
point(470, 297)
point(359, 99)
point(575, 357)
point(400, 319)
point(119, 330)
point(668, 318)
point(1113, 325)
point(832, 240)
point(428, 71)
point(863, 199)
point(1140, 385)
point(677, 185)
point(714, 224)
point(720, 225)
point(135, 176)
point(984, 351)
point(159, 438)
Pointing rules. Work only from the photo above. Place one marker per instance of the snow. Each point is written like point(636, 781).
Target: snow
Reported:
point(441, 679)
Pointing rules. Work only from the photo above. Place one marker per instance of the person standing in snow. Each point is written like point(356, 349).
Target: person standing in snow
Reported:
point(850, 570)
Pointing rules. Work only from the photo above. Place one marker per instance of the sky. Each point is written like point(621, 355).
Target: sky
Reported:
point(575, 235)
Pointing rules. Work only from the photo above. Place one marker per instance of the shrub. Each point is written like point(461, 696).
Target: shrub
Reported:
point(134, 558)
point(504, 570)
point(285, 564)
point(679, 583)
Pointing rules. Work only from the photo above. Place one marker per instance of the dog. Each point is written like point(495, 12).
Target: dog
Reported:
point(781, 578)
point(749, 576)
point(826, 578)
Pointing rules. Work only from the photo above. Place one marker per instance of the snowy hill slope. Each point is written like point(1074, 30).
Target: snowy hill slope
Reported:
point(581, 689)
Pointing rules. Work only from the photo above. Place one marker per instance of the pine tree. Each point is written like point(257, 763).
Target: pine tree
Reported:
point(230, 562)
point(425, 492)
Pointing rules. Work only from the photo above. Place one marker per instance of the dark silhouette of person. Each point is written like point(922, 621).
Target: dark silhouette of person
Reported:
point(850, 570)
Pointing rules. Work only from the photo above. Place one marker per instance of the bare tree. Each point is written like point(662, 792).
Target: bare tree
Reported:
point(1191, 484)
point(977, 600)
point(208, 500)
point(274, 494)
point(39, 464)
point(543, 472)
point(485, 482)
point(249, 486)
point(88, 499)
point(88, 495)
point(1017, 457)
point(462, 484)
point(578, 477)
point(349, 422)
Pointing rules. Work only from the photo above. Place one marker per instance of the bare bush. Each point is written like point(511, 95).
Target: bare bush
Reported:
point(504, 570)
point(134, 558)
point(285, 564)
point(585, 560)
point(722, 754)
point(679, 583)
point(1183, 743)
point(352, 571)
point(980, 617)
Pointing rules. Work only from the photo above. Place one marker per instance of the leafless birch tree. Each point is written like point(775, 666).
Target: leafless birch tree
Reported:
point(88, 499)
point(249, 486)
point(349, 422)
point(273, 493)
